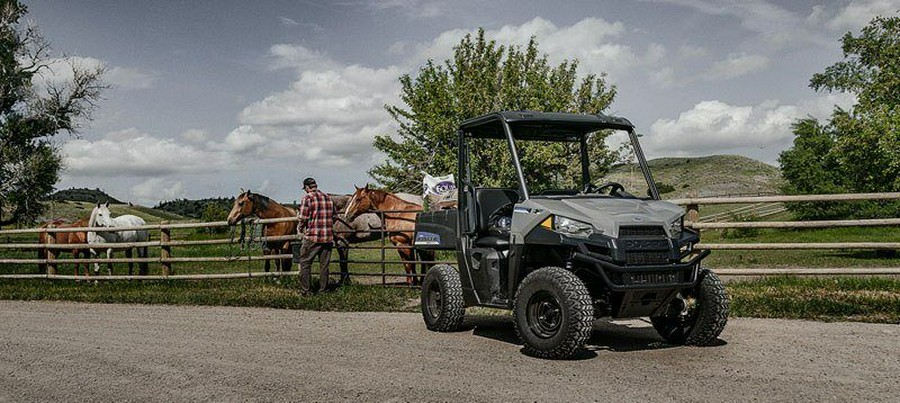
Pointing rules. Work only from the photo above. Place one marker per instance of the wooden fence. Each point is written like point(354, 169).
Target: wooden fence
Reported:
point(765, 203)
point(169, 258)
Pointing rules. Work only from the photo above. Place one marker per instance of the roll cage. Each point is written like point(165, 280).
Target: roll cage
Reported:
point(543, 126)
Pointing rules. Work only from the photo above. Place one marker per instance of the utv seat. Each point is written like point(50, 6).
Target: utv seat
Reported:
point(491, 201)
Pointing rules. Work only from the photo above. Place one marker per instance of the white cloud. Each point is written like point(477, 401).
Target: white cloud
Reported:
point(589, 41)
point(715, 127)
point(329, 115)
point(129, 78)
point(131, 153)
point(773, 27)
point(736, 65)
point(288, 21)
point(195, 136)
point(858, 13)
point(61, 70)
point(411, 8)
point(154, 190)
point(123, 135)
point(299, 57)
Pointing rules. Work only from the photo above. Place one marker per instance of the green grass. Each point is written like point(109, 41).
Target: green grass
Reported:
point(826, 299)
point(805, 258)
point(239, 292)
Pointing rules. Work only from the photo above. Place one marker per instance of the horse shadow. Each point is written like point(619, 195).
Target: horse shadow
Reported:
point(616, 337)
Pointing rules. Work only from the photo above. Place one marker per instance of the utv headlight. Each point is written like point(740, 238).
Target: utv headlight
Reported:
point(569, 227)
point(676, 227)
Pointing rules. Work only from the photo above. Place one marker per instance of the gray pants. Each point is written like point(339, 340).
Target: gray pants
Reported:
point(308, 252)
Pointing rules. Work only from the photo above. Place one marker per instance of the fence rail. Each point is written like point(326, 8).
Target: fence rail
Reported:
point(169, 260)
point(167, 246)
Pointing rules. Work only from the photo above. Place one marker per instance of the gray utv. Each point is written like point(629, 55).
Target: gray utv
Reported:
point(561, 257)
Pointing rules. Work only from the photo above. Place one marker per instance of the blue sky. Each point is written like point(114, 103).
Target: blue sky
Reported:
point(210, 97)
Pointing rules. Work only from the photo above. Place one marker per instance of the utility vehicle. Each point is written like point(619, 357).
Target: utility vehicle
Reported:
point(559, 257)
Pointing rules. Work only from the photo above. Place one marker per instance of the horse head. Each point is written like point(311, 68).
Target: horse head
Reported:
point(244, 206)
point(101, 216)
point(364, 200)
point(359, 203)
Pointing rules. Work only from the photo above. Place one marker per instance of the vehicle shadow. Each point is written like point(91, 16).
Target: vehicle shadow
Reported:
point(632, 335)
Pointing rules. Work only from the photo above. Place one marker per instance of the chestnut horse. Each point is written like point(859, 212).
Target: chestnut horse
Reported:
point(249, 204)
point(400, 226)
point(65, 238)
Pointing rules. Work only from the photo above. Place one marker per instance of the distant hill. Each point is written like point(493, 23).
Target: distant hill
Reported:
point(84, 195)
point(714, 175)
point(73, 210)
point(194, 208)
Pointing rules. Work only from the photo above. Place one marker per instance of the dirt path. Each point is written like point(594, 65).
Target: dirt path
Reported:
point(53, 351)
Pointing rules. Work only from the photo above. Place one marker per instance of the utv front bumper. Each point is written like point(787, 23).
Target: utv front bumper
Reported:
point(641, 277)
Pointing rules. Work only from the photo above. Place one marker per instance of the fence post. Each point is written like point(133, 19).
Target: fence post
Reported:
point(693, 212)
point(384, 235)
point(51, 253)
point(165, 235)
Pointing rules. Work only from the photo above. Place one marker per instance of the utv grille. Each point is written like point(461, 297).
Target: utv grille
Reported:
point(646, 257)
point(651, 278)
point(641, 230)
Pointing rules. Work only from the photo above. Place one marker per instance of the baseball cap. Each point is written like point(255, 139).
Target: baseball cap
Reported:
point(309, 182)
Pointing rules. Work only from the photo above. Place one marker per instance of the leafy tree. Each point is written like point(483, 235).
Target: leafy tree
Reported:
point(214, 212)
point(857, 150)
point(483, 77)
point(30, 115)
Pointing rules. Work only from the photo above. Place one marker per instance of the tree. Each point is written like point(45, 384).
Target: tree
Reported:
point(30, 114)
point(483, 77)
point(857, 150)
point(212, 212)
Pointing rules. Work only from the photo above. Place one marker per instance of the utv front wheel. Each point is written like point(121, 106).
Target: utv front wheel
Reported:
point(553, 313)
point(442, 299)
point(695, 317)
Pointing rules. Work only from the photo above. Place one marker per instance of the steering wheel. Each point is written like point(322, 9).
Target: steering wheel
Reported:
point(500, 220)
point(614, 188)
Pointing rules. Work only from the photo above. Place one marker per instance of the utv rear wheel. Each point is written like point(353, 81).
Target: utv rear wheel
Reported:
point(697, 316)
point(442, 299)
point(553, 313)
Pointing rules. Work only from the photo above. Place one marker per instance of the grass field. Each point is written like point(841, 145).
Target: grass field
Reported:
point(827, 299)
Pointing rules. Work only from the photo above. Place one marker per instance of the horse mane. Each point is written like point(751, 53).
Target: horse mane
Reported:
point(93, 218)
point(264, 202)
point(378, 196)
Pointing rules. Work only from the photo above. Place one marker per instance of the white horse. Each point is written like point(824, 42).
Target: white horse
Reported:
point(101, 217)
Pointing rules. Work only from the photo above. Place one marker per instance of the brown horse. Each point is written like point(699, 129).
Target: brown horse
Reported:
point(249, 204)
point(400, 226)
point(65, 238)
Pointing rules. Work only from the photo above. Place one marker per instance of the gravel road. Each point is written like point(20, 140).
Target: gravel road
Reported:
point(59, 351)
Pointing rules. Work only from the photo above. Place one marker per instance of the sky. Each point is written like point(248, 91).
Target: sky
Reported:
point(211, 97)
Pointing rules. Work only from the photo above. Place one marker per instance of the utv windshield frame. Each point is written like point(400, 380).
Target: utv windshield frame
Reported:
point(542, 126)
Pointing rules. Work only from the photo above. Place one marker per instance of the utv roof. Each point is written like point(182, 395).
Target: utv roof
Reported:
point(533, 125)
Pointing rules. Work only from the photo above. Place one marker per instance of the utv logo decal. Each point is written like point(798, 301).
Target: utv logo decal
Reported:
point(427, 238)
point(527, 210)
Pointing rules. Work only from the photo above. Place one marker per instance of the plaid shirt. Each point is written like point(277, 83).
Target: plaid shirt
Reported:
point(316, 217)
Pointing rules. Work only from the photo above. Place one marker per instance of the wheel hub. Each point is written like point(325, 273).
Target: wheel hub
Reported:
point(434, 300)
point(544, 315)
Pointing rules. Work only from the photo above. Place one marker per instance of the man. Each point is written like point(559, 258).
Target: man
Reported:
point(316, 224)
